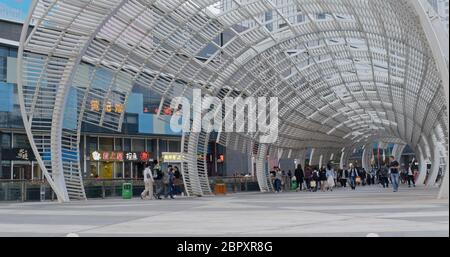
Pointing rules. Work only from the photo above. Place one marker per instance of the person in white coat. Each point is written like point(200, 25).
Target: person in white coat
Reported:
point(330, 177)
point(148, 180)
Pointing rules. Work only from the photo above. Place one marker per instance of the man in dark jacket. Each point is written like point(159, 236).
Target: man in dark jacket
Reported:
point(343, 176)
point(363, 175)
point(300, 176)
point(384, 176)
point(308, 177)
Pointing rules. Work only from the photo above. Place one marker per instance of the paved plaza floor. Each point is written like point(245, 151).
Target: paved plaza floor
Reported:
point(411, 212)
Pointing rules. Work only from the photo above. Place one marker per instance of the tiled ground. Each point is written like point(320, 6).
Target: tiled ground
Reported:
point(411, 212)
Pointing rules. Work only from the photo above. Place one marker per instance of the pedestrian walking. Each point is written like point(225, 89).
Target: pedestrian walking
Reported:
point(395, 173)
point(315, 180)
point(343, 176)
point(330, 177)
point(168, 183)
point(308, 177)
point(323, 179)
point(158, 177)
point(353, 175)
point(384, 176)
point(300, 177)
point(148, 181)
point(411, 179)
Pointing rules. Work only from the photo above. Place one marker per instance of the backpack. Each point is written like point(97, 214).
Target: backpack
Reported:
point(384, 172)
point(159, 174)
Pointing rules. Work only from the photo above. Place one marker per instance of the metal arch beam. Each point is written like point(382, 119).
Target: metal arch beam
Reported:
point(59, 191)
point(438, 39)
point(435, 162)
point(262, 174)
point(423, 166)
point(365, 157)
point(62, 172)
point(179, 67)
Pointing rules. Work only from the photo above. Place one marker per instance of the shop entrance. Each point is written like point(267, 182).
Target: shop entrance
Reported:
point(22, 171)
point(138, 169)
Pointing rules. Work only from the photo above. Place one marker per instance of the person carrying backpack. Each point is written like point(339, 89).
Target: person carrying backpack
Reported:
point(384, 176)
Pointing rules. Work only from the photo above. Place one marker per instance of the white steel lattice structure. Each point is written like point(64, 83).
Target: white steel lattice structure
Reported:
point(347, 73)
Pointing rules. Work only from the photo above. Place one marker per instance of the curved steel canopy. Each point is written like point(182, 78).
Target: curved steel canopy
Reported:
point(347, 73)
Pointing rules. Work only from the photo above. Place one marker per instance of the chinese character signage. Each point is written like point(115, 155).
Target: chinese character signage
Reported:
point(120, 156)
point(172, 157)
point(109, 107)
point(18, 154)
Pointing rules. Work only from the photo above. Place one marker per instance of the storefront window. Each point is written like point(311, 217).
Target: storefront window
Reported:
point(163, 146)
point(106, 170)
point(118, 144)
point(106, 144)
point(5, 141)
point(94, 169)
point(5, 170)
point(138, 145)
point(127, 145)
point(138, 169)
point(21, 141)
point(149, 143)
point(22, 171)
point(118, 170)
point(93, 144)
point(37, 172)
point(174, 146)
point(127, 171)
point(151, 148)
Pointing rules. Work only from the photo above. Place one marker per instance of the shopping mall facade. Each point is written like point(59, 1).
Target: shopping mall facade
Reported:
point(95, 84)
point(104, 154)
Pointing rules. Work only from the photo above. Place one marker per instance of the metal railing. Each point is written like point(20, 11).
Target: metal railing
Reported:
point(25, 190)
point(237, 184)
point(40, 190)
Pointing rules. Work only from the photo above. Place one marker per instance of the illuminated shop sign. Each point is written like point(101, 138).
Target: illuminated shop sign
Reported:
point(172, 157)
point(109, 107)
point(121, 156)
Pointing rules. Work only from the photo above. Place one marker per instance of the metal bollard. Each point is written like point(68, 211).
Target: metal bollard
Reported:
point(42, 191)
point(23, 191)
point(103, 190)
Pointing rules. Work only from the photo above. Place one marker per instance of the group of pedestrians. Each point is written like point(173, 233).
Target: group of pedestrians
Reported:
point(327, 178)
point(158, 182)
point(312, 179)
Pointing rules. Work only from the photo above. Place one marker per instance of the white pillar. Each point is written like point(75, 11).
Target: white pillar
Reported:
point(422, 166)
point(311, 156)
point(342, 163)
point(443, 194)
point(435, 163)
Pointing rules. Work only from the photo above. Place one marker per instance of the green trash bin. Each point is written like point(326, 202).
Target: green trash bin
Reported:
point(294, 185)
point(127, 191)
